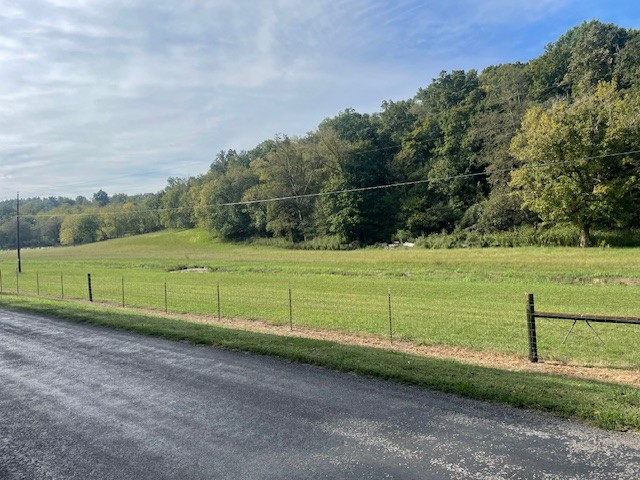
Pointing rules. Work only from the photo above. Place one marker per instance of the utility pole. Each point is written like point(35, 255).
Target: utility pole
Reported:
point(18, 230)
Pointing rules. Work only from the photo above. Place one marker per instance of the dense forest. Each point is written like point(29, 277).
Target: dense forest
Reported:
point(546, 151)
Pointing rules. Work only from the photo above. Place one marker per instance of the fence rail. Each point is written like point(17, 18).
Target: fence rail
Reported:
point(532, 315)
point(589, 318)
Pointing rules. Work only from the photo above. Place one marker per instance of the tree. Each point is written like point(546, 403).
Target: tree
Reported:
point(358, 151)
point(228, 183)
point(500, 112)
point(290, 171)
point(118, 220)
point(82, 228)
point(48, 230)
point(101, 198)
point(594, 55)
point(442, 149)
point(574, 166)
point(177, 207)
point(627, 69)
point(149, 217)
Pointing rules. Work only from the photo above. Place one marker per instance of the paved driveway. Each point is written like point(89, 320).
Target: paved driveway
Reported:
point(83, 402)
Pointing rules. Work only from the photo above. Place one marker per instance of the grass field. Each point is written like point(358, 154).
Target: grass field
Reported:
point(473, 298)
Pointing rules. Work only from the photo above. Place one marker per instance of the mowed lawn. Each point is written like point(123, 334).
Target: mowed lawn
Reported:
point(472, 298)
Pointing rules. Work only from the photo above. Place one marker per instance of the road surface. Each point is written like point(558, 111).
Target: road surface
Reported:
point(84, 402)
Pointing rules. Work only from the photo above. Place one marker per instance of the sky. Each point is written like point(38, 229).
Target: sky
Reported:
point(120, 95)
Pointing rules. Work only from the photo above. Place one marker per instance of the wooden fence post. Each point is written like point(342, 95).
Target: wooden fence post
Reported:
point(89, 284)
point(531, 328)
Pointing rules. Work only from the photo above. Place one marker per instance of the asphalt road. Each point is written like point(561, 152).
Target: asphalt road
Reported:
point(83, 402)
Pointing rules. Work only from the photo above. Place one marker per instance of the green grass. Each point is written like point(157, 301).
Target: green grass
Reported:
point(472, 298)
point(600, 404)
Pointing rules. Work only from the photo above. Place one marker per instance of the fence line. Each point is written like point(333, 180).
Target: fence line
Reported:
point(175, 297)
point(353, 308)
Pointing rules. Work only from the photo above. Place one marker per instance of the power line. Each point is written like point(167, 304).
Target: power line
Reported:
point(336, 192)
point(414, 182)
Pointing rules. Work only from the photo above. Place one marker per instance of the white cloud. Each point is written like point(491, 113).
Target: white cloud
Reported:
point(124, 93)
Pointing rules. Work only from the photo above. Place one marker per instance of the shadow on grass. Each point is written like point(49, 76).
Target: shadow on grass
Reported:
point(604, 405)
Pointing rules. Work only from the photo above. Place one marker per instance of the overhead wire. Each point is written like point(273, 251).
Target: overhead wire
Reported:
point(336, 192)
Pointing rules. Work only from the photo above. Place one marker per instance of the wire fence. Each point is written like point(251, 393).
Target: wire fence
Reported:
point(471, 316)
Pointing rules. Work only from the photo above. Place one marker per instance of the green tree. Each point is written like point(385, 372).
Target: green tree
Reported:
point(228, 180)
point(360, 159)
point(292, 169)
point(78, 229)
point(505, 90)
point(573, 164)
point(149, 216)
point(336, 214)
point(594, 55)
point(48, 230)
point(7, 234)
point(177, 204)
point(101, 198)
point(627, 69)
point(442, 149)
point(505, 99)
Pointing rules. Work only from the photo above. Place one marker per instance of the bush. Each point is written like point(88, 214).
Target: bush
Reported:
point(318, 243)
point(563, 235)
point(556, 236)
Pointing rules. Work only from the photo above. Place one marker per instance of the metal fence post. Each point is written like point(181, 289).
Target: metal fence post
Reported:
point(531, 329)
point(390, 322)
point(62, 286)
point(89, 284)
point(218, 293)
point(166, 302)
point(290, 311)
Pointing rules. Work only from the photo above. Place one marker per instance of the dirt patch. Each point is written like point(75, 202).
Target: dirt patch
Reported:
point(629, 282)
point(192, 270)
point(485, 358)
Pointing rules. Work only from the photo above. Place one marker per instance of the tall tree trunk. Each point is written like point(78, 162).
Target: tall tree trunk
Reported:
point(585, 236)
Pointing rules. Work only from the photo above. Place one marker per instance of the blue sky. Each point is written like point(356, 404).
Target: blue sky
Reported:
point(119, 95)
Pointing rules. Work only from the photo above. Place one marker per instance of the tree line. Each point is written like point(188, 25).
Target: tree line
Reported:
point(537, 145)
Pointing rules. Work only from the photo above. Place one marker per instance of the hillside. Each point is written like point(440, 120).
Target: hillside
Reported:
point(550, 145)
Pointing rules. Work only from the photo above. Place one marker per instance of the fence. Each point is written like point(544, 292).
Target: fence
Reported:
point(183, 297)
point(425, 311)
point(532, 314)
